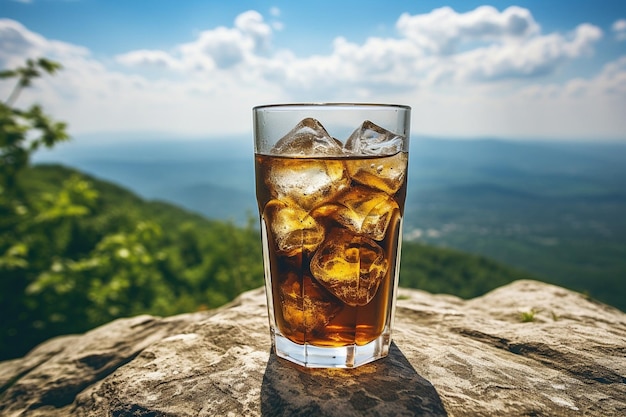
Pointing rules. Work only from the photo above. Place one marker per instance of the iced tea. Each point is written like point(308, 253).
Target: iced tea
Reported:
point(331, 219)
point(332, 252)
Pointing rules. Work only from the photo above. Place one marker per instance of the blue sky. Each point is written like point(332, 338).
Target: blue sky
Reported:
point(523, 70)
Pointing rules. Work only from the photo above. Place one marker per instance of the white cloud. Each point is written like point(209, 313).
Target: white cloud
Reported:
point(251, 25)
point(619, 28)
point(18, 43)
point(532, 57)
point(216, 49)
point(483, 72)
point(443, 30)
point(149, 58)
point(277, 25)
point(579, 109)
point(274, 11)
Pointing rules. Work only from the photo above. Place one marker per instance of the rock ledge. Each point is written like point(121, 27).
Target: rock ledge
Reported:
point(526, 349)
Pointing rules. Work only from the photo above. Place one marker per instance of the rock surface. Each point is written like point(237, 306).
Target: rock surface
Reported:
point(526, 349)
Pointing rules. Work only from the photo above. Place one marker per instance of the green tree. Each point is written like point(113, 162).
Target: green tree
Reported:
point(22, 224)
point(24, 131)
point(62, 268)
point(73, 256)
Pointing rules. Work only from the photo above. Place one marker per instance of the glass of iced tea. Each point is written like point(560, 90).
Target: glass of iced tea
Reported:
point(330, 186)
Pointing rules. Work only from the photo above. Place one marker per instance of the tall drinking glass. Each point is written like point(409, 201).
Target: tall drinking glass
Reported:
point(330, 186)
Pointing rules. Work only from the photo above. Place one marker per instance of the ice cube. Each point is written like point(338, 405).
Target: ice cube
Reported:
point(306, 305)
point(307, 182)
point(363, 210)
point(308, 138)
point(292, 228)
point(350, 266)
point(371, 139)
point(386, 174)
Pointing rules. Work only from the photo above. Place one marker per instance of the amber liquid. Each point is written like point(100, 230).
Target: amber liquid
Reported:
point(305, 311)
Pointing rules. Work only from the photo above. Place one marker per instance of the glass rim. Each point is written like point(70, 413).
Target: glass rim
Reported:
point(320, 105)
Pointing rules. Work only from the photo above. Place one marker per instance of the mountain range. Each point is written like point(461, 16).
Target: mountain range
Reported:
point(554, 209)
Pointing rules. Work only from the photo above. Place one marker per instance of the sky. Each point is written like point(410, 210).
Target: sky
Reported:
point(536, 70)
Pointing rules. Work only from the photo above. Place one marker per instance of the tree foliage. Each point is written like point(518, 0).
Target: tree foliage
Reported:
point(24, 131)
point(95, 252)
point(73, 256)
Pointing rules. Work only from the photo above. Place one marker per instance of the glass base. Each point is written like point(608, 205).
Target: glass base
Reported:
point(331, 357)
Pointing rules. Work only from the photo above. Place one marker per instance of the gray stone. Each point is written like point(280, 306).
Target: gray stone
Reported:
point(526, 349)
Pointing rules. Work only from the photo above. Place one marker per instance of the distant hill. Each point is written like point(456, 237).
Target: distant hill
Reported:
point(424, 267)
point(195, 184)
point(127, 255)
point(214, 201)
point(554, 209)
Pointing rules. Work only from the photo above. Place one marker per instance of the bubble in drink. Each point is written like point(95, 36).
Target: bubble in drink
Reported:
point(308, 138)
point(306, 306)
point(350, 266)
point(307, 182)
point(371, 139)
point(292, 228)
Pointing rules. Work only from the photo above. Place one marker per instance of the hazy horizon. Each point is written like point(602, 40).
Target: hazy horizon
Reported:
point(152, 144)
